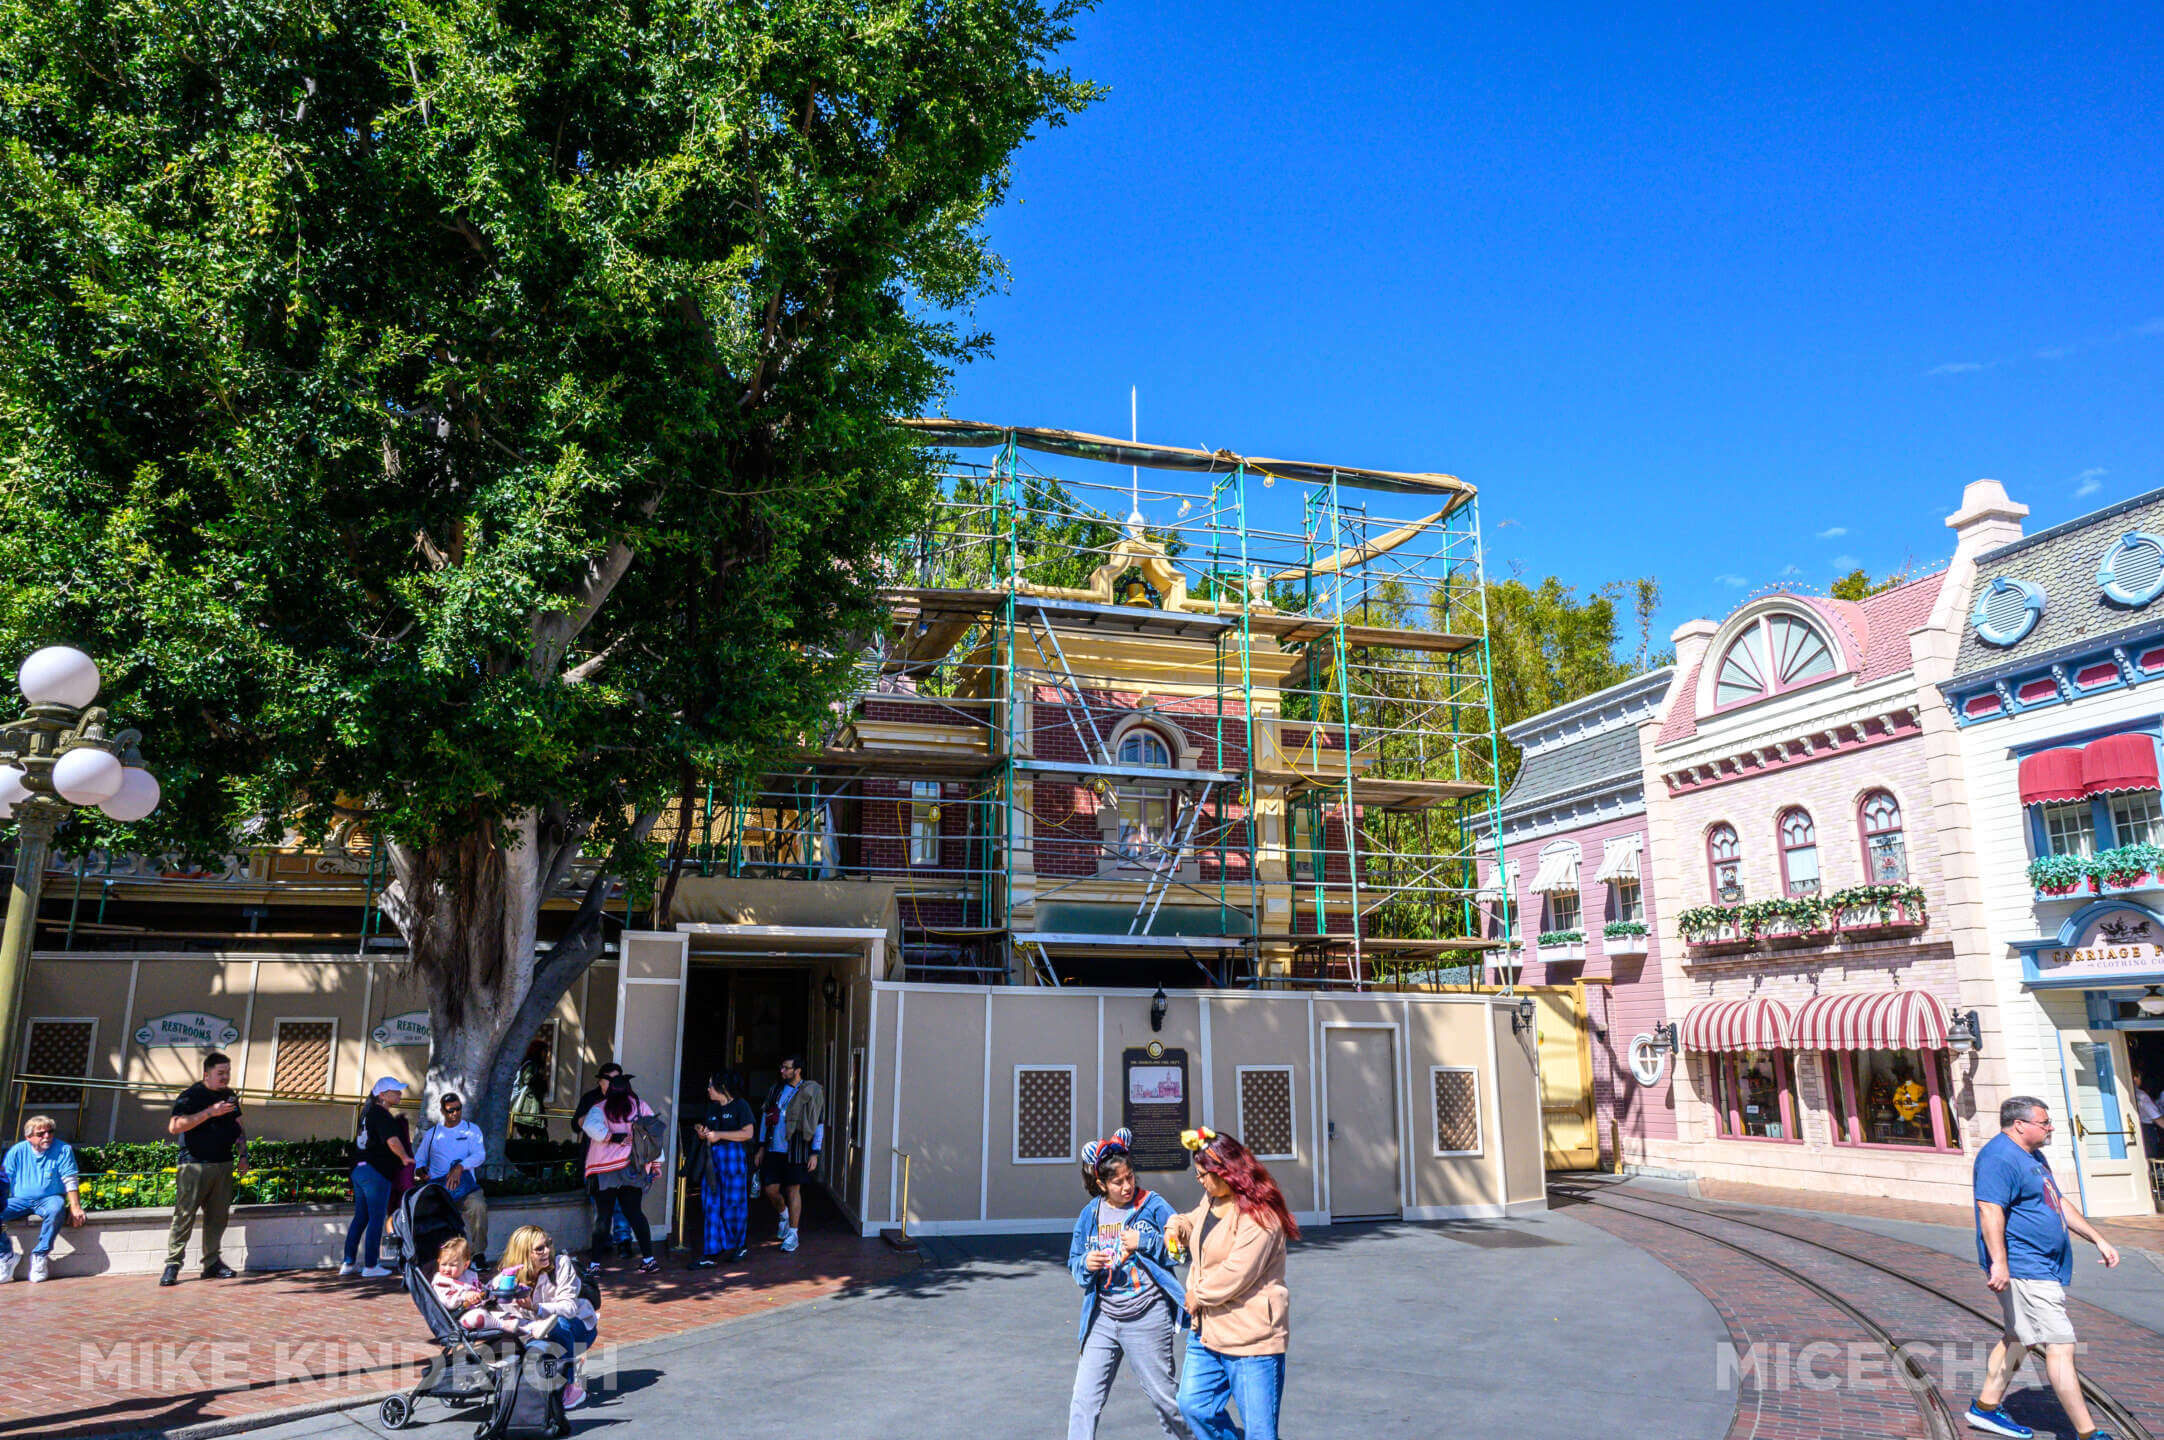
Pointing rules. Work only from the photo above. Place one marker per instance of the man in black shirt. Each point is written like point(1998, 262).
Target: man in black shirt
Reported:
point(206, 1118)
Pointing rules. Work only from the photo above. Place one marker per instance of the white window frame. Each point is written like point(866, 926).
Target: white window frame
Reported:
point(90, 1058)
point(1074, 1119)
point(1292, 1104)
point(1636, 909)
point(1435, 1130)
point(2151, 823)
point(330, 1079)
point(1554, 901)
point(2083, 813)
point(918, 800)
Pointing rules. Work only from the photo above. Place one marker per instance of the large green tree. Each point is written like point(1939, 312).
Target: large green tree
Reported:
point(458, 419)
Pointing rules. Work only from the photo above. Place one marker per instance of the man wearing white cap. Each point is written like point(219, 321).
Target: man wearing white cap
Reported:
point(385, 1146)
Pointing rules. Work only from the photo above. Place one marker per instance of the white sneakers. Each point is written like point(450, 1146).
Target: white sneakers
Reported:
point(40, 1267)
point(378, 1272)
point(8, 1262)
point(788, 1241)
point(348, 1267)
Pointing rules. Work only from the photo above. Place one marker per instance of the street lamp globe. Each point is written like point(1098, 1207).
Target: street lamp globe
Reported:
point(137, 797)
point(87, 775)
point(12, 789)
point(59, 675)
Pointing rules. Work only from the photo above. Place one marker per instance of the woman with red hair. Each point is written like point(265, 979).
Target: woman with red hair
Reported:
point(1236, 1292)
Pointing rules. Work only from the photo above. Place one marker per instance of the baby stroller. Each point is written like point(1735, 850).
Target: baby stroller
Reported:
point(520, 1382)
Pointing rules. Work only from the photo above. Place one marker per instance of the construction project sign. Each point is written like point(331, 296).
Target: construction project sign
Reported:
point(1153, 1104)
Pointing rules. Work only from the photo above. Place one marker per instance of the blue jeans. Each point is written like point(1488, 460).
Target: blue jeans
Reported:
point(48, 1210)
point(1210, 1383)
point(371, 1203)
point(574, 1336)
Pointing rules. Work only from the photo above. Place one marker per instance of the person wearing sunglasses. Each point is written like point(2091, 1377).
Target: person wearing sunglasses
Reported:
point(2023, 1221)
point(452, 1154)
point(1236, 1293)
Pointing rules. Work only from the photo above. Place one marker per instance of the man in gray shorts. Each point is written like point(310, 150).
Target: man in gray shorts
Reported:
point(2022, 1225)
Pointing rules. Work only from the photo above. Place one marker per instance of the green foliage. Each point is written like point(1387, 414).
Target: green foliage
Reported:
point(2126, 865)
point(156, 1156)
point(1548, 646)
point(460, 412)
point(1880, 899)
point(1783, 915)
point(1562, 937)
point(1858, 585)
point(1615, 929)
point(128, 1176)
point(1702, 924)
point(2057, 874)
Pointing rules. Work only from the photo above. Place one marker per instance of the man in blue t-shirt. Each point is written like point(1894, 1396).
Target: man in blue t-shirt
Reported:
point(2022, 1225)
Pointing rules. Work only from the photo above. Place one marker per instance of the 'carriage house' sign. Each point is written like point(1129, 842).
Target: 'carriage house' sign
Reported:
point(410, 1028)
point(187, 1029)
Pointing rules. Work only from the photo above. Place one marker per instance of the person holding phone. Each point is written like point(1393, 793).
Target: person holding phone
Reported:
point(213, 1149)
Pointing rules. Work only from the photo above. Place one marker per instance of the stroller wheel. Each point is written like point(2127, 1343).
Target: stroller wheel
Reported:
point(397, 1411)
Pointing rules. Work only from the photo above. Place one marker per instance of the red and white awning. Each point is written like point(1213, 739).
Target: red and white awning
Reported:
point(2050, 776)
point(1872, 1020)
point(2118, 762)
point(1754, 1024)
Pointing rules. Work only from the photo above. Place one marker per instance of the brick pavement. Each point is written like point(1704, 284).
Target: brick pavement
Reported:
point(2143, 1231)
point(100, 1356)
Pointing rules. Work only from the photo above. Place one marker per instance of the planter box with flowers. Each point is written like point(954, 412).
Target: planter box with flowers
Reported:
point(1787, 922)
point(2127, 869)
point(1714, 930)
point(2060, 877)
point(1624, 937)
point(1559, 945)
point(1870, 911)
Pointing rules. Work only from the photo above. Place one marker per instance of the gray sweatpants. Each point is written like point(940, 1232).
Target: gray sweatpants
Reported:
point(1147, 1341)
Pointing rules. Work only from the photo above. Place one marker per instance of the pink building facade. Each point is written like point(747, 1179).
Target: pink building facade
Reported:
point(1819, 919)
point(1572, 885)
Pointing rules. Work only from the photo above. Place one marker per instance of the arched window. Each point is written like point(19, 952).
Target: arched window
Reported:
point(1774, 653)
point(1885, 852)
point(1145, 834)
point(1145, 747)
point(1799, 852)
point(1724, 864)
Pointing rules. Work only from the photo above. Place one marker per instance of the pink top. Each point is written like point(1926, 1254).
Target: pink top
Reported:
point(458, 1292)
point(615, 1152)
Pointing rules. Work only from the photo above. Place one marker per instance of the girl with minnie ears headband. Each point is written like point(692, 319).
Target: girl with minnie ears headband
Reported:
point(1236, 1291)
point(1130, 1297)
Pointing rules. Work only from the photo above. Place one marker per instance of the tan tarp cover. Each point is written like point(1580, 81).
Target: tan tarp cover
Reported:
point(970, 434)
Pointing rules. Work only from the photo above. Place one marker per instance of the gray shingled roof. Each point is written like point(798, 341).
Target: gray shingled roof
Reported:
point(1601, 759)
point(2062, 561)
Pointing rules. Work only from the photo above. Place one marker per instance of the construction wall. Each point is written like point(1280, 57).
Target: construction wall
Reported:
point(947, 1063)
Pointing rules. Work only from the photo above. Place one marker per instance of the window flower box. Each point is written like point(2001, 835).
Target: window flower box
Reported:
point(1560, 945)
point(1786, 923)
point(2127, 870)
point(1714, 930)
point(1624, 937)
point(1873, 911)
point(2060, 877)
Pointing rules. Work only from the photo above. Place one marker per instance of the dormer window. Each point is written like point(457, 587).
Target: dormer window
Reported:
point(1774, 653)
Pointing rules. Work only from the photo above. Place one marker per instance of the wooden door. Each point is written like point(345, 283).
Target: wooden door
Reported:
point(1570, 1138)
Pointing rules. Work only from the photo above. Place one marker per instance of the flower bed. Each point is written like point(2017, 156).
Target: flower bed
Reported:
point(1866, 910)
point(285, 1172)
point(1624, 937)
point(1796, 920)
point(1714, 929)
point(2059, 877)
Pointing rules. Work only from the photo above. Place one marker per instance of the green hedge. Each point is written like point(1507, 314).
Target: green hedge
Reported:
point(131, 1176)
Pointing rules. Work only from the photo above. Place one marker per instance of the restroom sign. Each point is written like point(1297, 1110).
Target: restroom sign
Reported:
point(410, 1028)
point(187, 1030)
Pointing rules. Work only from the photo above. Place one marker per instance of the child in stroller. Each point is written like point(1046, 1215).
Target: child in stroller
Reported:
point(479, 1361)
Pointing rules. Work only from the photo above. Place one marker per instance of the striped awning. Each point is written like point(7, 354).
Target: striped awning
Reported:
point(1619, 859)
point(1872, 1020)
point(1502, 879)
point(1754, 1024)
point(1558, 873)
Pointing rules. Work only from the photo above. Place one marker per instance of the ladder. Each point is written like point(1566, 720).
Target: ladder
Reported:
point(1163, 872)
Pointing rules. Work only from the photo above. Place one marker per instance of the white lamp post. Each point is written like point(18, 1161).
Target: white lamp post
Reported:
point(58, 757)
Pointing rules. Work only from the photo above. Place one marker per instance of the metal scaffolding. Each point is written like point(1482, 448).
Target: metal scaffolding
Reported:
point(1248, 727)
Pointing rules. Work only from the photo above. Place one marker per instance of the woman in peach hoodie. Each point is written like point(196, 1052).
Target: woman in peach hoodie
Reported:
point(1235, 1292)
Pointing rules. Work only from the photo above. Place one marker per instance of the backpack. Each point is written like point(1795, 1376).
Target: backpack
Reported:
point(529, 1398)
point(645, 1142)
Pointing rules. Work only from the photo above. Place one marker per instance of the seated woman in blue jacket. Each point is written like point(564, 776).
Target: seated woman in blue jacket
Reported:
point(1130, 1297)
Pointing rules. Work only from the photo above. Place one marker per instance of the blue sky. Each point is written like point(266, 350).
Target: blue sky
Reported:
point(1727, 297)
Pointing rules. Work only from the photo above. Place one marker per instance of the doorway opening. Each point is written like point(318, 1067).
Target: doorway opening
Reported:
point(2145, 1057)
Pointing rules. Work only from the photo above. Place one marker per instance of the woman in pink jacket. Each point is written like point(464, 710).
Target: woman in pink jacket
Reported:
point(1236, 1292)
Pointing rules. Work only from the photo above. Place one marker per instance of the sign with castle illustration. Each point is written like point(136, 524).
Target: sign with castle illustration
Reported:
point(2118, 942)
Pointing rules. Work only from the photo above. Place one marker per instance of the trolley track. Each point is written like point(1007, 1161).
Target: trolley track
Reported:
point(2110, 1411)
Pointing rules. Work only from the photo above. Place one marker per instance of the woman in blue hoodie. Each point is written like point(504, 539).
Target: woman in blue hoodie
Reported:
point(1131, 1301)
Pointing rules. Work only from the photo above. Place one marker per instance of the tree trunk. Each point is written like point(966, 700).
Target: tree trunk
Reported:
point(470, 910)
